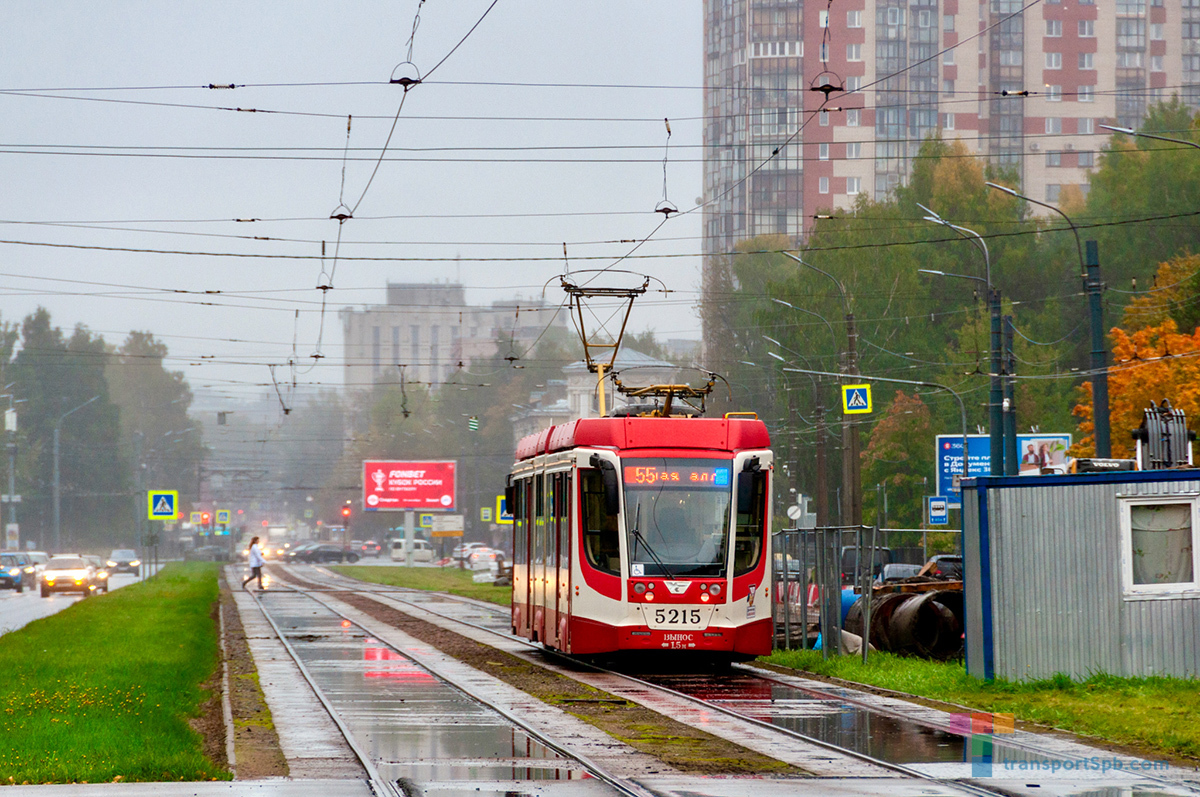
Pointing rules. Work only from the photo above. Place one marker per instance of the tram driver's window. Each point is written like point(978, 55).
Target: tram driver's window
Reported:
point(751, 506)
point(600, 537)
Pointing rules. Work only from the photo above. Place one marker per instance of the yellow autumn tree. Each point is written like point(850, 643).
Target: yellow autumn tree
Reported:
point(1173, 296)
point(1150, 364)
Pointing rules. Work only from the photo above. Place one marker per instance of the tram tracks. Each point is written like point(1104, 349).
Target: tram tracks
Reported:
point(493, 621)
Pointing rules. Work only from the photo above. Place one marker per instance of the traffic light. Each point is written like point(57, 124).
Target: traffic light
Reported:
point(346, 512)
point(205, 519)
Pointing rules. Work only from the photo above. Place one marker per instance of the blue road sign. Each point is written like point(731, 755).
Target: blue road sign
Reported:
point(503, 516)
point(856, 399)
point(160, 504)
point(937, 510)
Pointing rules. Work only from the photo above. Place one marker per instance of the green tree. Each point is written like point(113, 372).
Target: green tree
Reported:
point(55, 373)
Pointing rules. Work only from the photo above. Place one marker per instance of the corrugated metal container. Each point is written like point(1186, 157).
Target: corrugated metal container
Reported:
point(1046, 589)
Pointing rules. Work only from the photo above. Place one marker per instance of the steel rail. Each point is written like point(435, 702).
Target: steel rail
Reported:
point(865, 758)
point(620, 784)
point(857, 702)
point(378, 786)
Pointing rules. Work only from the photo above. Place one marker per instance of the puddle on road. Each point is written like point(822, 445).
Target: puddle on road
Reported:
point(843, 724)
point(413, 725)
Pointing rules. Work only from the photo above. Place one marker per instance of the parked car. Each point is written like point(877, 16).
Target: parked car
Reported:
point(482, 558)
point(12, 574)
point(422, 550)
point(947, 566)
point(67, 573)
point(101, 573)
point(463, 550)
point(207, 553)
point(327, 552)
point(897, 571)
point(850, 569)
point(124, 560)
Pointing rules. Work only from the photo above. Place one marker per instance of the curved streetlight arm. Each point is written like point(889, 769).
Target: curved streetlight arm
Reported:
point(63, 417)
point(948, 274)
point(1131, 132)
point(1071, 224)
point(967, 233)
point(841, 288)
point(828, 325)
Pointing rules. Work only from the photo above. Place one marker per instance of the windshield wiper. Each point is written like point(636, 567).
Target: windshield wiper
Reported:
point(637, 537)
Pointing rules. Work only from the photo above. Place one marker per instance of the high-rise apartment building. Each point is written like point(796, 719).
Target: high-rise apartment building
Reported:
point(1028, 90)
point(430, 330)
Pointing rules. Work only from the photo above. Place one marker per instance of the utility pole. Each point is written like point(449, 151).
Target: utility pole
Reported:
point(10, 426)
point(851, 462)
point(138, 490)
point(1099, 365)
point(57, 479)
point(996, 393)
point(1011, 467)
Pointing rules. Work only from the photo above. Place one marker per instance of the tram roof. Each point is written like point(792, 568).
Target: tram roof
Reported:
point(711, 434)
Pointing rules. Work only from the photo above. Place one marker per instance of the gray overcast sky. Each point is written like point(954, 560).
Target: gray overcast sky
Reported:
point(60, 162)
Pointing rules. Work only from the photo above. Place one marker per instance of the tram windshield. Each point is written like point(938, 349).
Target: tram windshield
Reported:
point(677, 516)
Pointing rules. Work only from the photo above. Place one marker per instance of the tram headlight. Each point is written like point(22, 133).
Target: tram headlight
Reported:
point(704, 597)
point(714, 589)
point(649, 596)
point(639, 588)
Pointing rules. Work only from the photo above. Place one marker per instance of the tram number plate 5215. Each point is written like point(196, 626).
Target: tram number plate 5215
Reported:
point(678, 618)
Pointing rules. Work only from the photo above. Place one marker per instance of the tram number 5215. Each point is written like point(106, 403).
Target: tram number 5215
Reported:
point(677, 617)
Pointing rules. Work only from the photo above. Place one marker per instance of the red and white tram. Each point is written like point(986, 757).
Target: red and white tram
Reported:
point(635, 533)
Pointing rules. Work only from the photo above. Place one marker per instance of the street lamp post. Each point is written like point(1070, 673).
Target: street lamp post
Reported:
point(851, 509)
point(57, 486)
point(822, 486)
point(1089, 272)
point(1131, 132)
point(996, 394)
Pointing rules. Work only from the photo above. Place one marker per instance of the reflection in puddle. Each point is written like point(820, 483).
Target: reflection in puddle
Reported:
point(414, 725)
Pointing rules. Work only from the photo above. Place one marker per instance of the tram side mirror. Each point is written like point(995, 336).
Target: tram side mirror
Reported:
point(510, 497)
point(747, 482)
point(612, 490)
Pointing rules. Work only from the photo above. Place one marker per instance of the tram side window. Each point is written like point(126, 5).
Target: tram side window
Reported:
point(564, 522)
point(520, 528)
point(600, 536)
point(539, 521)
point(751, 512)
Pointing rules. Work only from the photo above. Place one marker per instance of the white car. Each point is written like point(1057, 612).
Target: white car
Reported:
point(482, 558)
point(464, 550)
point(422, 551)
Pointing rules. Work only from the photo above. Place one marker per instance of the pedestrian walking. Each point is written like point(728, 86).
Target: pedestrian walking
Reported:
point(256, 564)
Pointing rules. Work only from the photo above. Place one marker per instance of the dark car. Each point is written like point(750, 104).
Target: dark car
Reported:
point(947, 566)
point(294, 554)
point(12, 574)
point(207, 553)
point(124, 560)
point(850, 569)
point(370, 548)
point(67, 574)
point(326, 552)
point(897, 572)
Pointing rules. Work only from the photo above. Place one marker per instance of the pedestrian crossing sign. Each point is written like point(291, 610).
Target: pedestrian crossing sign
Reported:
point(160, 504)
point(856, 399)
point(223, 517)
point(197, 518)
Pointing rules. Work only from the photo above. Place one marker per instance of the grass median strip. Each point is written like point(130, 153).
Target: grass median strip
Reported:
point(105, 689)
point(1156, 717)
point(434, 579)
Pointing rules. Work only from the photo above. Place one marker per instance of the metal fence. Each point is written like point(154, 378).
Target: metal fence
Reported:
point(811, 567)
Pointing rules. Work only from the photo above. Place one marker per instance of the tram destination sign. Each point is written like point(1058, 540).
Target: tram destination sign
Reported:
point(406, 485)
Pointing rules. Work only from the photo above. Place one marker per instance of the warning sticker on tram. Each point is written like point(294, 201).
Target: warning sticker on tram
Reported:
point(673, 617)
point(694, 477)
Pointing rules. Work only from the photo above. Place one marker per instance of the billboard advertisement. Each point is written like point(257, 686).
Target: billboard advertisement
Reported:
point(1036, 451)
point(404, 485)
